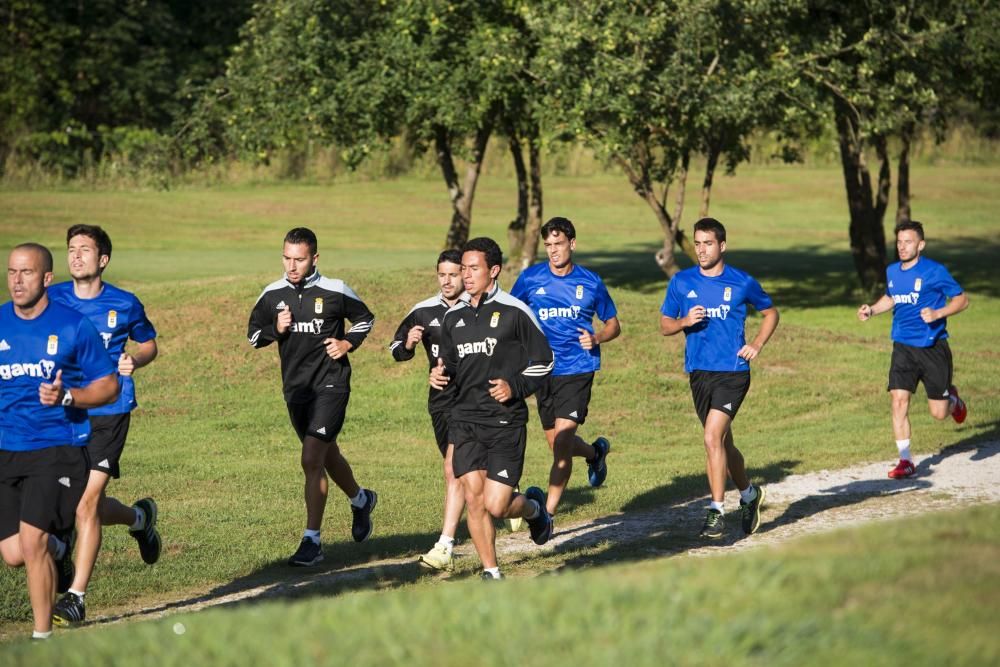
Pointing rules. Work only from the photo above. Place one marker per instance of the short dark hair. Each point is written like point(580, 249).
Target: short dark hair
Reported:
point(910, 225)
point(454, 256)
point(487, 246)
point(42, 251)
point(559, 225)
point(99, 236)
point(711, 225)
point(303, 235)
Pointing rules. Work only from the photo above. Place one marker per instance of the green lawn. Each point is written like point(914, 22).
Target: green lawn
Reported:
point(212, 442)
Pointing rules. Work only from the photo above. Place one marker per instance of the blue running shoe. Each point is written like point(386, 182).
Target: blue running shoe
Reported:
point(597, 469)
point(541, 525)
point(362, 526)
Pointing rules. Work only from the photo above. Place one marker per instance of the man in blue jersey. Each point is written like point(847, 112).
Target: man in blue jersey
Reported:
point(566, 297)
point(53, 367)
point(422, 325)
point(921, 295)
point(118, 316)
point(708, 303)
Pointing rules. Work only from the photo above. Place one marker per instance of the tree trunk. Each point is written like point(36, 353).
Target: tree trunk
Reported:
point(867, 236)
point(515, 230)
point(903, 213)
point(529, 251)
point(706, 185)
point(643, 187)
point(461, 195)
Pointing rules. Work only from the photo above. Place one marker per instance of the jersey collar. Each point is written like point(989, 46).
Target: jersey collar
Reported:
point(308, 282)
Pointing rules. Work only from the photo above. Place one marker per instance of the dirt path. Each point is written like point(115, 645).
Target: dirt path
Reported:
point(797, 505)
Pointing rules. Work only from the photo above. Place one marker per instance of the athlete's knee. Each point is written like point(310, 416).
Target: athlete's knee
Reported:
point(34, 545)
point(939, 412)
point(87, 508)
point(497, 507)
point(11, 552)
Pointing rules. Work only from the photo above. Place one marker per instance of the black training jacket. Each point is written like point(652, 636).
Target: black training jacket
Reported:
point(498, 339)
point(319, 307)
point(428, 313)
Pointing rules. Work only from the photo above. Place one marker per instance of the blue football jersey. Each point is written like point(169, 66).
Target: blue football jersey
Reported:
point(117, 315)
point(926, 284)
point(31, 352)
point(712, 344)
point(563, 306)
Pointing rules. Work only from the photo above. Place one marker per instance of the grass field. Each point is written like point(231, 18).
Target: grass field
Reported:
point(212, 443)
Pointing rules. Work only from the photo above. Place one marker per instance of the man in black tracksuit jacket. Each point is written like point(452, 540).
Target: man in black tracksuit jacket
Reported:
point(305, 312)
point(496, 355)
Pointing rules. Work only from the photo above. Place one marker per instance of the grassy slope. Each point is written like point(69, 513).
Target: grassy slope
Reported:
point(212, 442)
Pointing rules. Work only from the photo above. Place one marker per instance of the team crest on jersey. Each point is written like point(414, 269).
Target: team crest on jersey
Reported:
point(318, 305)
point(727, 295)
point(579, 291)
point(112, 319)
point(495, 319)
point(53, 346)
point(917, 284)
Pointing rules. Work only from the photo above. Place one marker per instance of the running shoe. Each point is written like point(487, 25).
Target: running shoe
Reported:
point(903, 470)
point(597, 469)
point(69, 610)
point(65, 569)
point(486, 576)
point(308, 554)
point(959, 410)
point(714, 526)
point(541, 525)
point(751, 511)
point(438, 558)
point(361, 528)
point(147, 536)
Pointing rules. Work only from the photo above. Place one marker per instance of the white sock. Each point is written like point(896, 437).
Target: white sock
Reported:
point(41, 635)
point(140, 519)
point(494, 571)
point(748, 494)
point(718, 506)
point(79, 594)
point(446, 542)
point(536, 510)
point(57, 547)
point(311, 534)
point(904, 449)
point(360, 499)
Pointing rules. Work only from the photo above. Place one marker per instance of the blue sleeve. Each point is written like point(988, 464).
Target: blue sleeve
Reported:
point(520, 288)
point(91, 356)
point(604, 306)
point(756, 295)
point(949, 286)
point(672, 301)
point(140, 328)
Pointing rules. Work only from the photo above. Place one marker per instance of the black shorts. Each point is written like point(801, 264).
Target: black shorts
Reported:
point(930, 365)
point(107, 440)
point(42, 488)
point(499, 450)
point(564, 397)
point(322, 417)
point(440, 420)
point(718, 390)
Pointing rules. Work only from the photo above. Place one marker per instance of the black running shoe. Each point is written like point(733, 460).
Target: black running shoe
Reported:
point(715, 525)
point(65, 569)
point(597, 469)
point(309, 553)
point(361, 528)
point(486, 576)
point(147, 536)
point(751, 512)
point(69, 610)
point(541, 525)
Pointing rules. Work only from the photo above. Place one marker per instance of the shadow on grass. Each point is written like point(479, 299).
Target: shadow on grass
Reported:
point(803, 275)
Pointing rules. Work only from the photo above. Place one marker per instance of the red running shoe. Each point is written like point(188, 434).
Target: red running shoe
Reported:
point(903, 470)
point(959, 410)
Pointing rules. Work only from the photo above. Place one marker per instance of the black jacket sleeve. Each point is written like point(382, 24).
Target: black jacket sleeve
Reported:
point(398, 344)
point(362, 320)
point(540, 358)
point(261, 331)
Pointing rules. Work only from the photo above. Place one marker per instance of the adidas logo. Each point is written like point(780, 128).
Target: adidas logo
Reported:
point(540, 290)
point(574, 415)
point(503, 473)
point(64, 481)
point(434, 323)
point(890, 284)
point(728, 406)
point(321, 430)
point(692, 294)
point(461, 323)
point(281, 306)
point(104, 464)
point(4, 346)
